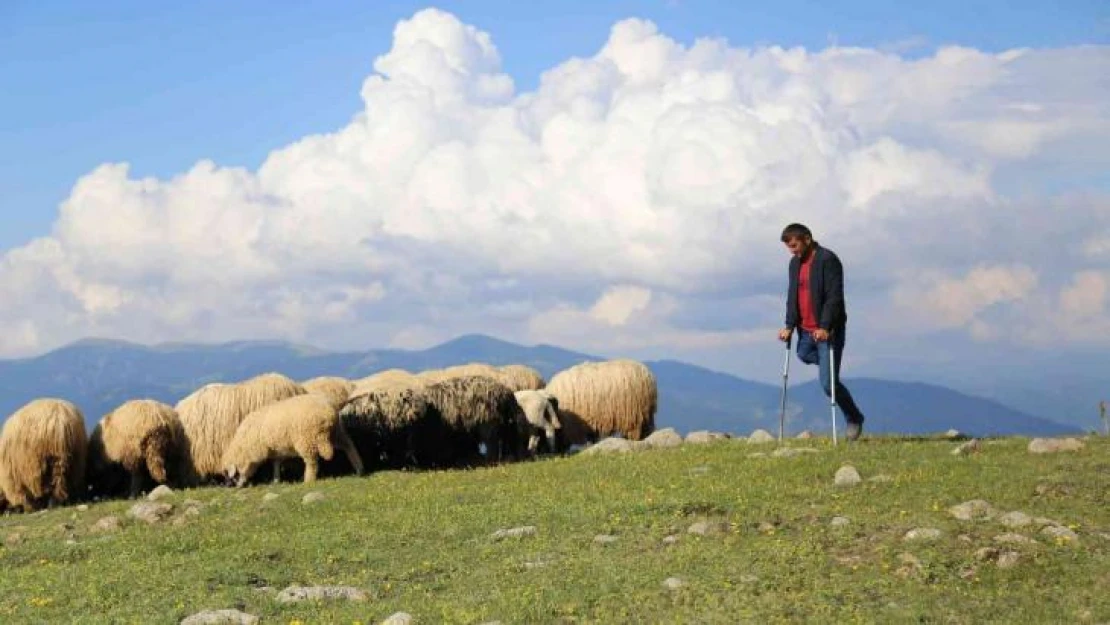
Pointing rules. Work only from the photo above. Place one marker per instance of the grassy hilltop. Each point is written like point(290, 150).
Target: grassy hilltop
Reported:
point(423, 542)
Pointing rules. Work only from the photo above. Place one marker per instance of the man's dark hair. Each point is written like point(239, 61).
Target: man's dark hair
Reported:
point(793, 231)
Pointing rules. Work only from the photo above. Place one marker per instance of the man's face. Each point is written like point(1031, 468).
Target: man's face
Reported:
point(798, 245)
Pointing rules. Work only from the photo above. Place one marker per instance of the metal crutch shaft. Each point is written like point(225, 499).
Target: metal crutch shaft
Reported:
point(832, 386)
point(785, 376)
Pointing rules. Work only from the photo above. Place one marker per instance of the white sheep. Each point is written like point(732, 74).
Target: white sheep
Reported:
point(541, 414)
point(305, 426)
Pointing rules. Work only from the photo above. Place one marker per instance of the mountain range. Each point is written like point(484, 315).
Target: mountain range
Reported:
point(98, 375)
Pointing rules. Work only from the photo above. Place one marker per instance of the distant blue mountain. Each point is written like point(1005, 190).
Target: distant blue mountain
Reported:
point(98, 375)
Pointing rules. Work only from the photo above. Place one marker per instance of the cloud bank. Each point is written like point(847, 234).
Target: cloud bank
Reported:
point(633, 200)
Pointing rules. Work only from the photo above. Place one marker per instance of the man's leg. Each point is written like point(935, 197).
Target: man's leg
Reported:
point(807, 348)
point(852, 413)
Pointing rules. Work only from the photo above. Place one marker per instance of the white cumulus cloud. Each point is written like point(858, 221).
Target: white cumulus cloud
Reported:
point(614, 206)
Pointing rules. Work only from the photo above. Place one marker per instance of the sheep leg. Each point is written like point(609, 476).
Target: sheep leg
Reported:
point(277, 470)
point(310, 468)
point(136, 484)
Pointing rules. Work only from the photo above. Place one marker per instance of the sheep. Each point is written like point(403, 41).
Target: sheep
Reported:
point(541, 415)
point(43, 447)
point(395, 427)
point(521, 377)
point(335, 388)
point(142, 437)
point(598, 399)
point(478, 411)
point(212, 413)
point(385, 379)
point(305, 426)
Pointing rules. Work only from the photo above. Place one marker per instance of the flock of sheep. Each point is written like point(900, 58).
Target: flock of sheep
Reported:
point(247, 431)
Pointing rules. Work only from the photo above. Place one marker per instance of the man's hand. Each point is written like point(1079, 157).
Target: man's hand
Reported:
point(784, 334)
point(820, 335)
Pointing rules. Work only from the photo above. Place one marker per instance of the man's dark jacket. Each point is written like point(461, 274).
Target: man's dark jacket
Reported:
point(826, 288)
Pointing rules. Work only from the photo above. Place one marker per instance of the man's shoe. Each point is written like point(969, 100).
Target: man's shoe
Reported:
point(855, 429)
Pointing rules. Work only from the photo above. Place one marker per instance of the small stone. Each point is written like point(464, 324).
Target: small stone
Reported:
point(790, 452)
point(83, 507)
point(805, 434)
point(313, 497)
point(881, 478)
point(968, 572)
point(398, 618)
point(704, 436)
point(107, 524)
point(922, 533)
point(160, 492)
point(673, 583)
point(840, 521)
point(1015, 519)
point(1013, 538)
point(1053, 445)
point(766, 527)
point(761, 436)
point(70, 541)
point(1060, 532)
point(293, 594)
point(150, 512)
point(964, 538)
point(268, 497)
point(515, 532)
point(847, 475)
point(663, 439)
point(670, 540)
point(911, 566)
point(968, 448)
point(220, 617)
point(971, 510)
point(1008, 560)
point(605, 539)
point(954, 435)
point(611, 445)
point(707, 528)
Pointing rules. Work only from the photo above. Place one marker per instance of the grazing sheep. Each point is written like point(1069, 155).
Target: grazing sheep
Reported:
point(521, 378)
point(479, 411)
point(212, 413)
point(304, 426)
point(541, 416)
point(140, 438)
point(385, 379)
point(396, 427)
point(43, 447)
point(335, 388)
point(599, 399)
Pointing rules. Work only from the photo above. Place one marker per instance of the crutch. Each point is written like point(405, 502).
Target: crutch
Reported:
point(785, 375)
point(832, 385)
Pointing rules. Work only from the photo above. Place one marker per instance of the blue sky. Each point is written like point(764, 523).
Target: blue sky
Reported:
point(161, 85)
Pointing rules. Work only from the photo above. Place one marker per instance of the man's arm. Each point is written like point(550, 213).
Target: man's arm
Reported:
point(831, 310)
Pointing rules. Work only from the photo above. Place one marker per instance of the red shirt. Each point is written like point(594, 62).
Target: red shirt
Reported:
point(805, 303)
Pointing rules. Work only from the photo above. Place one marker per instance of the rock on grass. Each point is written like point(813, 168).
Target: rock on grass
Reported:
point(220, 617)
point(610, 445)
point(665, 438)
point(922, 533)
point(972, 510)
point(514, 532)
point(1015, 519)
point(1053, 445)
point(294, 594)
point(847, 475)
point(708, 528)
point(313, 497)
point(673, 583)
point(761, 436)
point(150, 512)
point(398, 618)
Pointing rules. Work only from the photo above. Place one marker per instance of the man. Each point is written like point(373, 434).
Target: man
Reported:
point(815, 308)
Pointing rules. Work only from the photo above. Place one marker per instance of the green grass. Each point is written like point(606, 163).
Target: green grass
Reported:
point(421, 543)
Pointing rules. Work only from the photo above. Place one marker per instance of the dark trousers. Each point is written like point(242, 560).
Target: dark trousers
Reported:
point(813, 352)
